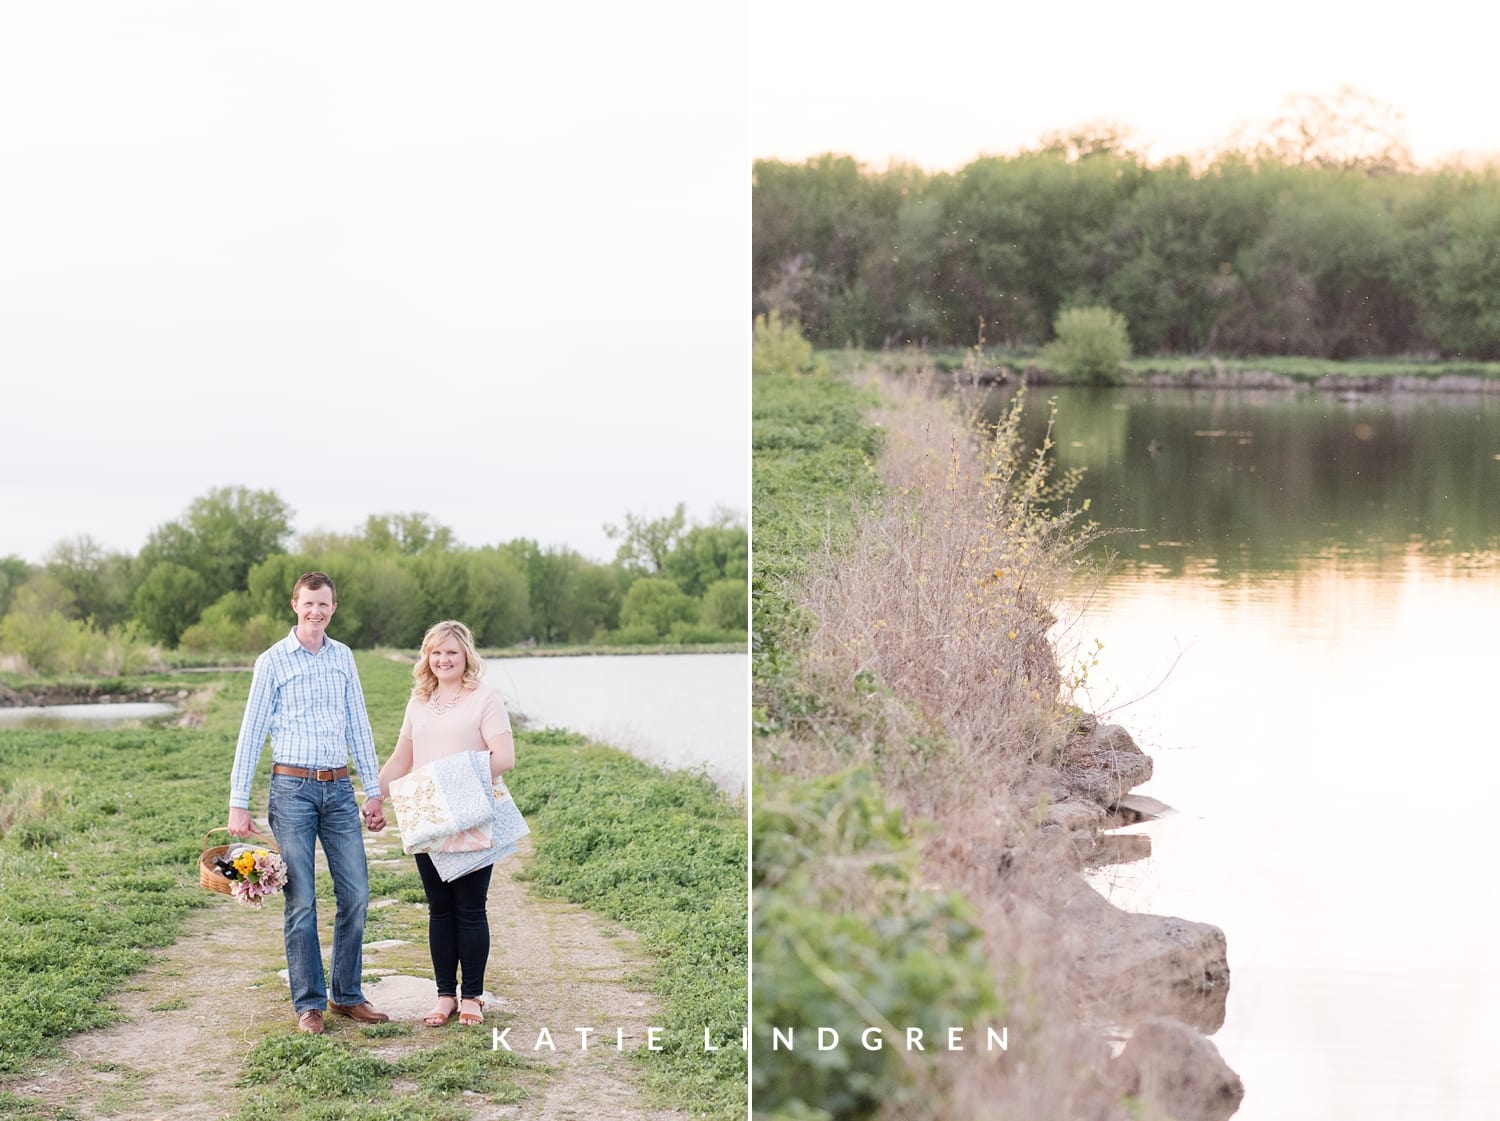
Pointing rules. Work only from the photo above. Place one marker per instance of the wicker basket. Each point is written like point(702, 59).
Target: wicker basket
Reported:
point(210, 877)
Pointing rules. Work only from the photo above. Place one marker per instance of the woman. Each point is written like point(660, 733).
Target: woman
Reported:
point(449, 713)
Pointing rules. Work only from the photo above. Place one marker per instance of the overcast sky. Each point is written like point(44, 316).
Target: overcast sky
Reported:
point(944, 81)
point(486, 261)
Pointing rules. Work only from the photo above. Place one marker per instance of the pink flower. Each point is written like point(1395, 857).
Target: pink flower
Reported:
point(267, 877)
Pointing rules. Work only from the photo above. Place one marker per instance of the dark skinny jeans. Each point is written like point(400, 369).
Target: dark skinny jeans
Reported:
point(458, 927)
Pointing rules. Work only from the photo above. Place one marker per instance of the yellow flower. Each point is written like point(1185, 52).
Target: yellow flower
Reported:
point(244, 864)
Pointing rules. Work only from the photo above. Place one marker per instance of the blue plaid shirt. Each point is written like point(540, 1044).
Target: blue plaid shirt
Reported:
point(312, 707)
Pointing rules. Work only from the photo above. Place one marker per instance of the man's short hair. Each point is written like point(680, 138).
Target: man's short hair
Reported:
point(313, 581)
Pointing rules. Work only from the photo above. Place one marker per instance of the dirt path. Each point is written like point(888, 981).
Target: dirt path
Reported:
point(217, 990)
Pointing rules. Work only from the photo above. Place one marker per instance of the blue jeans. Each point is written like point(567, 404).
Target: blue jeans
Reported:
point(303, 811)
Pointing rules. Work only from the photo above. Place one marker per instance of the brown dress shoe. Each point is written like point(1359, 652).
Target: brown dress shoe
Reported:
point(311, 1022)
point(364, 1012)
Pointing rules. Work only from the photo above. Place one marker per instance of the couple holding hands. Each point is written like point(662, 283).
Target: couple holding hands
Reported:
point(306, 696)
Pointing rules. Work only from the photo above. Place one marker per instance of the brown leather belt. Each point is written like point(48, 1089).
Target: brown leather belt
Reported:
point(303, 772)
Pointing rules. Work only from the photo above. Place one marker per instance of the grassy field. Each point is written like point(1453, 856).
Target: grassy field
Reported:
point(100, 833)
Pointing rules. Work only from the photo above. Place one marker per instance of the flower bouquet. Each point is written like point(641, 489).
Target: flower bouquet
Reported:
point(253, 873)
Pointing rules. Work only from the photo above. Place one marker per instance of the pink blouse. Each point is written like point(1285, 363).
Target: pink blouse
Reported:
point(467, 726)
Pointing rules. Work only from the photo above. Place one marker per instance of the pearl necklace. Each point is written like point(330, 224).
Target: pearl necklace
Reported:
point(441, 709)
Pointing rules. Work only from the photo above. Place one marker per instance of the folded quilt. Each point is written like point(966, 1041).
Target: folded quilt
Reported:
point(507, 827)
point(446, 805)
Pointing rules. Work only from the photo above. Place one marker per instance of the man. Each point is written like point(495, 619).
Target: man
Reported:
point(305, 694)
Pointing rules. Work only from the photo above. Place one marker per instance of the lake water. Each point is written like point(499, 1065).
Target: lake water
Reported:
point(96, 716)
point(675, 710)
point(1302, 636)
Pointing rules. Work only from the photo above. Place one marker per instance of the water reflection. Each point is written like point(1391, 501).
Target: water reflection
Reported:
point(1245, 481)
point(1304, 646)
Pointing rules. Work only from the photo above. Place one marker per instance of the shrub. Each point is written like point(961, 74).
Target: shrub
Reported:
point(636, 634)
point(51, 644)
point(1091, 344)
point(656, 602)
point(218, 632)
point(698, 634)
point(779, 348)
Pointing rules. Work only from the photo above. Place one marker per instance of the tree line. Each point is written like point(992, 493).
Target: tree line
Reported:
point(1280, 250)
point(218, 580)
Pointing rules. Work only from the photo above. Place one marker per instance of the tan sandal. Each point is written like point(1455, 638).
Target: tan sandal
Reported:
point(437, 1017)
point(469, 1019)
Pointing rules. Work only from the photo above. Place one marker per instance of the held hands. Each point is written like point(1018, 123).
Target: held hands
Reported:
point(374, 814)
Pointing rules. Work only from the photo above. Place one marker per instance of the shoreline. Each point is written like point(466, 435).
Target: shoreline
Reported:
point(1250, 377)
point(1158, 984)
point(1288, 372)
point(53, 695)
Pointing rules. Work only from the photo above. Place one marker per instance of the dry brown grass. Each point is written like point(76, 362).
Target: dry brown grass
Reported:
point(933, 623)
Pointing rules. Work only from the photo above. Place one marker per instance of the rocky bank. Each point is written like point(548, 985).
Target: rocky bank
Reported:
point(1157, 982)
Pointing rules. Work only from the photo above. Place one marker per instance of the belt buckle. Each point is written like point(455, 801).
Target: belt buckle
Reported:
point(325, 775)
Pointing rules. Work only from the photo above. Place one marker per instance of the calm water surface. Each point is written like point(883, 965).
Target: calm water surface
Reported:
point(1304, 637)
point(675, 710)
point(97, 716)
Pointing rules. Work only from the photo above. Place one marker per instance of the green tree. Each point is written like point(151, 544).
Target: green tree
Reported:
point(1465, 297)
point(570, 597)
point(169, 600)
point(486, 589)
point(645, 543)
point(98, 580)
point(380, 598)
point(593, 604)
point(13, 573)
point(269, 585)
point(222, 536)
point(1323, 275)
point(499, 609)
point(1170, 253)
point(406, 533)
point(906, 284)
point(548, 576)
point(726, 606)
point(1323, 242)
point(1026, 237)
point(708, 553)
point(812, 226)
point(657, 603)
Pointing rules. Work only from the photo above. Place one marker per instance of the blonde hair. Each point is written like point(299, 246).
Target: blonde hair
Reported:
point(426, 680)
